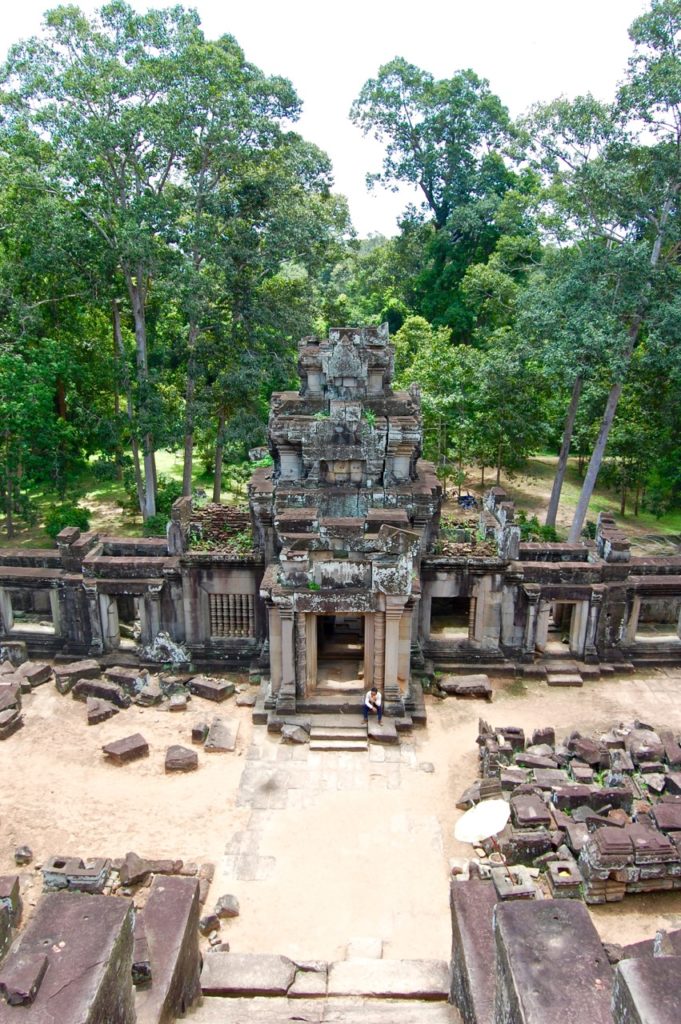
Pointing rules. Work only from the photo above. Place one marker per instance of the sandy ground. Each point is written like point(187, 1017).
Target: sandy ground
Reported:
point(319, 847)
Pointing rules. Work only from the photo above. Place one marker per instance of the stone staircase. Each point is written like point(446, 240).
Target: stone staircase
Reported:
point(266, 989)
point(338, 732)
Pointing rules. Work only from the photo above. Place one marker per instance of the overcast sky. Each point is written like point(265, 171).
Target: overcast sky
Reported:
point(530, 50)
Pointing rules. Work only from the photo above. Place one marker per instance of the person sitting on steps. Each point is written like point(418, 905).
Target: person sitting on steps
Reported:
point(372, 705)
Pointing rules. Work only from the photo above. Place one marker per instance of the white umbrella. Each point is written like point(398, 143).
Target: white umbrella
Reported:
point(482, 821)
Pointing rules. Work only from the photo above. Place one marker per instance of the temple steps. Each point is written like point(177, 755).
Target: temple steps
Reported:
point(338, 736)
point(357, 1010)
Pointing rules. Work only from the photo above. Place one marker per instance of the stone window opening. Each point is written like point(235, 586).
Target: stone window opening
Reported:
point(450, 617)
point(232, 615)
point(129, 620)
point(659, 621)
point(30, 611)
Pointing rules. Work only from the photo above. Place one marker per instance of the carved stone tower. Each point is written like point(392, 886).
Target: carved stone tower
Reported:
point(344, 516)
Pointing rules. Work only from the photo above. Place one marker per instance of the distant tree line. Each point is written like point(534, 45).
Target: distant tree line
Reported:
point(166, 236)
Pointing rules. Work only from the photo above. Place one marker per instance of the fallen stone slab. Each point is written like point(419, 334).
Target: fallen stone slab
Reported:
point(385, 732)
point(130, 748)
point(33, 673)
point(181, 759)
point(171, 919)
point(667, 816)
point(644, 745)
point(647, 991)
point(151, 692)
point(227, 906)
point(134, 869)
point(473, 950)
point(529, 810)
point(10, 721)
point(66, 676)
point(21, 978)
point(177, 702)
point(247, 974)
point(141, 958)
point(132, 680)
point(87, 941)
point(99, 710)
point(550, 958)
point(471, 686)
point(390, 979)
point(73, 873)
point(211, 689)
point(221, 736)
point(6, 667)
point(10, 897)
point(85, 688)
point(294, 734)
point(245, 700)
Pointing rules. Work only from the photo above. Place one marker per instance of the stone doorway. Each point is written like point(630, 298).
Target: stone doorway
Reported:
point(561, 628)
point(340, 652)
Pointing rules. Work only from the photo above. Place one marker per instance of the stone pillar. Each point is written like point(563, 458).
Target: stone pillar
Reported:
point(426, 605)
point(392, 695)
point(96, 643)
point(578, 628)
point(311, 641)
point(542, 629)
point(153, 603)
point(6, 616)
point(369, 651)
point(531, 622)
point(590, 643)
point(55, 607)
point(379, 649)
point(275, 647)
point(301, 652)
point(288, 666)
point(404, 658)
point(108, 610)
point(632, 621)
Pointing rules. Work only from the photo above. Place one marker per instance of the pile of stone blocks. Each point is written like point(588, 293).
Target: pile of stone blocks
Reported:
point(600, 815)
point(15, 681)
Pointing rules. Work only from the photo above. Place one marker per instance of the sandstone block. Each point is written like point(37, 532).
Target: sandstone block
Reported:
point(211, 689)
point(222, 736)
point(130, 748)
point(181, 759)
point(247, 974)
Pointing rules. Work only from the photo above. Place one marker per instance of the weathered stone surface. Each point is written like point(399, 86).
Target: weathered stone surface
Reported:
point(177, 702)
point(130, 748)
point(551, 966)
point(10, 721)
point(570, 796)
point(222, 736)
point(141, 957)
point(21, 978)
point(308, 985)
point(647, 991)
point(390, 979)
point(60, 872)
point(135, 869)
point(23, 855)
point(99, 710)
point(386, 732)
point(245, 700)
point(247, 974)
point(85, 688)
point(87, 941)
point(10, 897)
point(294, 734)
point(34, 673)
point(6, 667)
point(471, 686)
point(66, 676)
point(181, 759)
point(524, 760)
point(150, 692)
point(528, 810)
point(10, 694)
point(667, 816)
point(209, 923)
point(473, 950)
point(171, 917)
point(130, 679)
point(227, 906)
point(199, 732)
point(644, 745)
point(279, 1009)
point(211, 689)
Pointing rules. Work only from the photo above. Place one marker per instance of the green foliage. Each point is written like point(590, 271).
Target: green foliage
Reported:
point(156, 525)
point(67, 514)
point(532, 530)
point(168, 491)
point(370, 416)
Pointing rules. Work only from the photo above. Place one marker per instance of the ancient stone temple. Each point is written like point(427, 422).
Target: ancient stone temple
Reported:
point(341, 573)
point(344, 517)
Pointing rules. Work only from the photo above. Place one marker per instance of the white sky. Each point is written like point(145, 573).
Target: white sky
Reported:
point(530, 50)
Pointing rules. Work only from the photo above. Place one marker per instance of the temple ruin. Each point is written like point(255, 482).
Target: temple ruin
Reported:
point(341, 557)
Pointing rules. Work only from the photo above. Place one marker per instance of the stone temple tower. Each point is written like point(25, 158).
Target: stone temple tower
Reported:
point(344, 516)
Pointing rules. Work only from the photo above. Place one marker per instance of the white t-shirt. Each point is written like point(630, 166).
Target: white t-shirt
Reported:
point(372, 699)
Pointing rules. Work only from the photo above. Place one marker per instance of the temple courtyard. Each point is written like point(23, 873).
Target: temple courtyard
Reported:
point(321, 848)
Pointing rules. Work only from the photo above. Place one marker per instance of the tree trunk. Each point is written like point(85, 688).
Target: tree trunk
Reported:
point(601, 441)
point(125, 378)
point(61, 399)
point(219, 447)
point(189, 412)
point(136, 291)
point(482, 476)
point(499, 464)
point(554, 500)
point(637, 498)
point(623, 499)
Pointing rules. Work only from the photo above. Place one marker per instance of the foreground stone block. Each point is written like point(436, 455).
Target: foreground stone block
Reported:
point(135, 869)
point(211, 689)
point(99, 710)
point(34, 673)
point(171, 920)
point(75, 874)
point(247, 974)
point(550, 963)
point(221, 736)
point(473, 950)
point(87, 944)
point(648, 991)
point(390, 979)
point(386, 732)
point(85, 688)
point(471, 687)
point(130, 748)
point(10, 721)
point(10, 897)
point(66, 676)
point(181, 759)
point(10, 693)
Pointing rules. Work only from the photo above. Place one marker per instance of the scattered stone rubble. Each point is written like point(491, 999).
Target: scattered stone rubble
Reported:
point(600, 817)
